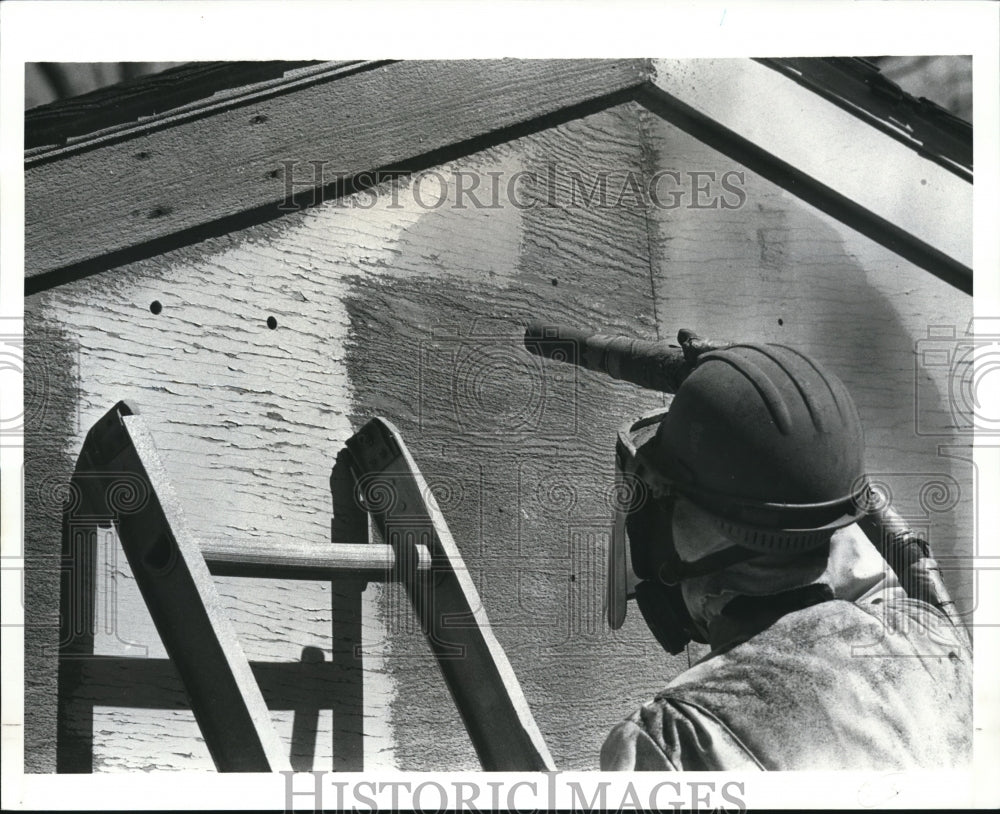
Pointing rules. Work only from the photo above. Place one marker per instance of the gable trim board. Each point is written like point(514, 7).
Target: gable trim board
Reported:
point(50, 127)
point(891, 194)
point(204, 172)
point(859, 87)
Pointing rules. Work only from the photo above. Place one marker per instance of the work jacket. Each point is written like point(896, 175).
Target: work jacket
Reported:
point(884, 683)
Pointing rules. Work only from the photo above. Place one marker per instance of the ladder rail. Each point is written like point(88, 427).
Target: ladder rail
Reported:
point(174, 574)
point(475, 667)
point(179, 592)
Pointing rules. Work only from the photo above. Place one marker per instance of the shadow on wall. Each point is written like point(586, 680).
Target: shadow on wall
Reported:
point(51, 404)
point(528, 449)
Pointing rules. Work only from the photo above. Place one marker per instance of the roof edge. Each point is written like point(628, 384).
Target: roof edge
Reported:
point(55, 123)
point(859, 87)
point(105, 121)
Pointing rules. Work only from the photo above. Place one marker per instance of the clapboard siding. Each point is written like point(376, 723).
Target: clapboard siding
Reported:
point(416, 314)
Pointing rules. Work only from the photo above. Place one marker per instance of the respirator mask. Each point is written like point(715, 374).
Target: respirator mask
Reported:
point(643, 563)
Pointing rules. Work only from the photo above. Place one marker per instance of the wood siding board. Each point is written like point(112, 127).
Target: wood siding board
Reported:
point(827, 156)
point(154, 185)
point(217, 103)
point(819, 195)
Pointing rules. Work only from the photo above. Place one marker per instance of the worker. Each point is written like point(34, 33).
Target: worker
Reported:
point(755, 531)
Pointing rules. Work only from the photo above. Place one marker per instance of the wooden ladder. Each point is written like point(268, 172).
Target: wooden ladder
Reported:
point(374, 476)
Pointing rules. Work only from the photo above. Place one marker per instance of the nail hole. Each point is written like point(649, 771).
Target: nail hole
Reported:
point(572, 577)
point(274, 174)
point(142, 156)
point(272, 323)
point(159, 212)
point(155, 307)
point(781, 322)
point(259, 119)
point(555, 281)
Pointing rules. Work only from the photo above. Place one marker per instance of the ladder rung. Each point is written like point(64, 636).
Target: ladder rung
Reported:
point(374, 562)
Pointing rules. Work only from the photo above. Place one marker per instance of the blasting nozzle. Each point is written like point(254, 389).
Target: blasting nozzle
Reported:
point(654, 365)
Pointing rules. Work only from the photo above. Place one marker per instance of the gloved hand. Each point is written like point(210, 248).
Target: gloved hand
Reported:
point(910, 558)
point(693, 346)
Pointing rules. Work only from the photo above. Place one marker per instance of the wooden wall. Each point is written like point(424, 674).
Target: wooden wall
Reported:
point(387, 307)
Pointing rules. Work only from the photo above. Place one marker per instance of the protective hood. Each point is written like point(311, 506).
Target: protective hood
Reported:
point(852, 568)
